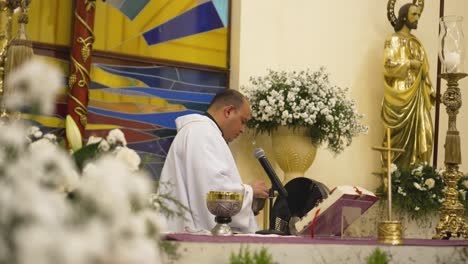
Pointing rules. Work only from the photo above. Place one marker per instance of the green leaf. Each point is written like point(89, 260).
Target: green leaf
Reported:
point(84, 154)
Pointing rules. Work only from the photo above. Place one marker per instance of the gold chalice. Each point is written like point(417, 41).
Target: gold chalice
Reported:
point(223, 205)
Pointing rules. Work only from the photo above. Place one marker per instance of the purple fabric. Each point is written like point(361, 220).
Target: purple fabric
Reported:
point(307, 240)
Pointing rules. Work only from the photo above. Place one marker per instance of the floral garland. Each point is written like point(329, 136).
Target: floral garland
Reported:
point(420, 190)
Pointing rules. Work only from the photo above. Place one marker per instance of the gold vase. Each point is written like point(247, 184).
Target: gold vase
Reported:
point(294, 151)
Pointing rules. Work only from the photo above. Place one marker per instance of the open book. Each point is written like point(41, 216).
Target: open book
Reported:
point(333, 215)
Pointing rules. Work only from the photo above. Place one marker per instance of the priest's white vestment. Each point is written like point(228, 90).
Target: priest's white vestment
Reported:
point(199, 161)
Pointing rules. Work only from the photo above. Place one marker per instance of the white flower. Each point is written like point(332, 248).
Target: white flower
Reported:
point(51, 164)
point(129, 157)
point(465, 183)
point(116, 136)
point(463, 194)
point(393, 168)
point(34, 132)
point(35, 83)
point(304, 98)
point(430, 183)
point(417, 186)
point(104, 146)
point(50, 137)
point(93, 140)
point(416, 208)
point(417, 171)
point(122, 189)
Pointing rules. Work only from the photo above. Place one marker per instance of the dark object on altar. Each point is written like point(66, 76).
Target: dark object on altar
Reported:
point(303, 195)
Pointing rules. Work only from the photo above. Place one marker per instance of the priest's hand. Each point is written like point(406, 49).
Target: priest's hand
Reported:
point(260, 190)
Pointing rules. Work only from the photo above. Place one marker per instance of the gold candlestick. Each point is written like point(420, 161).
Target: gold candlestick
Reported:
point(389, 232)
point(452, 211)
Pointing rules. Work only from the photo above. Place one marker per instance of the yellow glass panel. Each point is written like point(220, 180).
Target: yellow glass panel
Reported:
point(48, 121)
point(111, 80)
point(50, 22)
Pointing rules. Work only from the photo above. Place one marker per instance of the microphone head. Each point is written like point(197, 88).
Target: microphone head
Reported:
point(258, 153)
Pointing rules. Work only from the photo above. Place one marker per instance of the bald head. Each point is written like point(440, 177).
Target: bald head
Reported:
point(227, 97)
point(231, 111)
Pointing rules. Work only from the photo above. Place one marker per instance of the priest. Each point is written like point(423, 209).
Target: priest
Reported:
point(199, 161)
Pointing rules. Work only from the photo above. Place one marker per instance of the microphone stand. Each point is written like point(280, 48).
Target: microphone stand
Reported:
point(271, 230)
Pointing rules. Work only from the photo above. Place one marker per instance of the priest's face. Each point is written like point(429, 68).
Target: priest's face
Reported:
point(236, 120)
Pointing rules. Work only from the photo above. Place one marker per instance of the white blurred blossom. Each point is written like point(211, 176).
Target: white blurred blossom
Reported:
point(129, 157)
point(34, 84)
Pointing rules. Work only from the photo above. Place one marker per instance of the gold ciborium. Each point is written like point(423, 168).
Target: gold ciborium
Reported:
point(223, 205)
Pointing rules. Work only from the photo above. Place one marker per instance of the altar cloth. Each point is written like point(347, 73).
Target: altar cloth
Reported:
point(273, 239)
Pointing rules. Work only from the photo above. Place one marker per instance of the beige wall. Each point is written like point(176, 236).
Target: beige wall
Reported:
point(347, 37)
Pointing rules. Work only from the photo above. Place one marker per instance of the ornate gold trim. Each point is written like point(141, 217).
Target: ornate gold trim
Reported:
point(90, 4)
point(224, 196)
point(82, 71)
point(80, 110)
point(85, 50)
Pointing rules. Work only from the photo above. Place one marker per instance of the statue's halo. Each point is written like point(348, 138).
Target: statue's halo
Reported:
point(391, 10)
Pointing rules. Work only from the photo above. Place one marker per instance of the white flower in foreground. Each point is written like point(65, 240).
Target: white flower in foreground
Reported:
point(129, 157)
point(13, 136)
point(393, 168)
point(33, 84)
point(52, 165)
point(122, 188)
point(116, 136)
point(104, 146)
point(34, 132)
point(93, 140)
point(50, 137)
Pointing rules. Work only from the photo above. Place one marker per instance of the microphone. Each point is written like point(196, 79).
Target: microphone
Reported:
point(275, 181)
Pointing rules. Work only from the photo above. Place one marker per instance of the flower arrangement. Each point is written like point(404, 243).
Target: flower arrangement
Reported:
point(420, 190)
point(114, 144)
point(50, 212)
point(304, 98)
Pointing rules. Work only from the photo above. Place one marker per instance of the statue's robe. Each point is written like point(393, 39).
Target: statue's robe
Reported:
point(408, 99)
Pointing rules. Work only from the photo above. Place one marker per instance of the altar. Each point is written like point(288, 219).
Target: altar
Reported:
point(291, 249)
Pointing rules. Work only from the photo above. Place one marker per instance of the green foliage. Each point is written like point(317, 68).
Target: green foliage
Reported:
point(377, 257)
point(419, 190)
point(85, 154)
point(162, 201)
point(170, 249)
point(245, 257)
point(462, 192)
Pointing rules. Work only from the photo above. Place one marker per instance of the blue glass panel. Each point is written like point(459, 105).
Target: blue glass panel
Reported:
point(131, 8)
point(200, 19)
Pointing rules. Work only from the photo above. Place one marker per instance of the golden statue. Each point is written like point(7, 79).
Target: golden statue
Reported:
point(408, 94)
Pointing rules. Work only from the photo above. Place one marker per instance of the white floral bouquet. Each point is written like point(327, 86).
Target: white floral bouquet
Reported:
point(52, 213)
point(420, 190)
point(304, 98)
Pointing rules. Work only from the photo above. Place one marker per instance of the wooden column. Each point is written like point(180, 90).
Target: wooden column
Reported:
point(80, 62)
